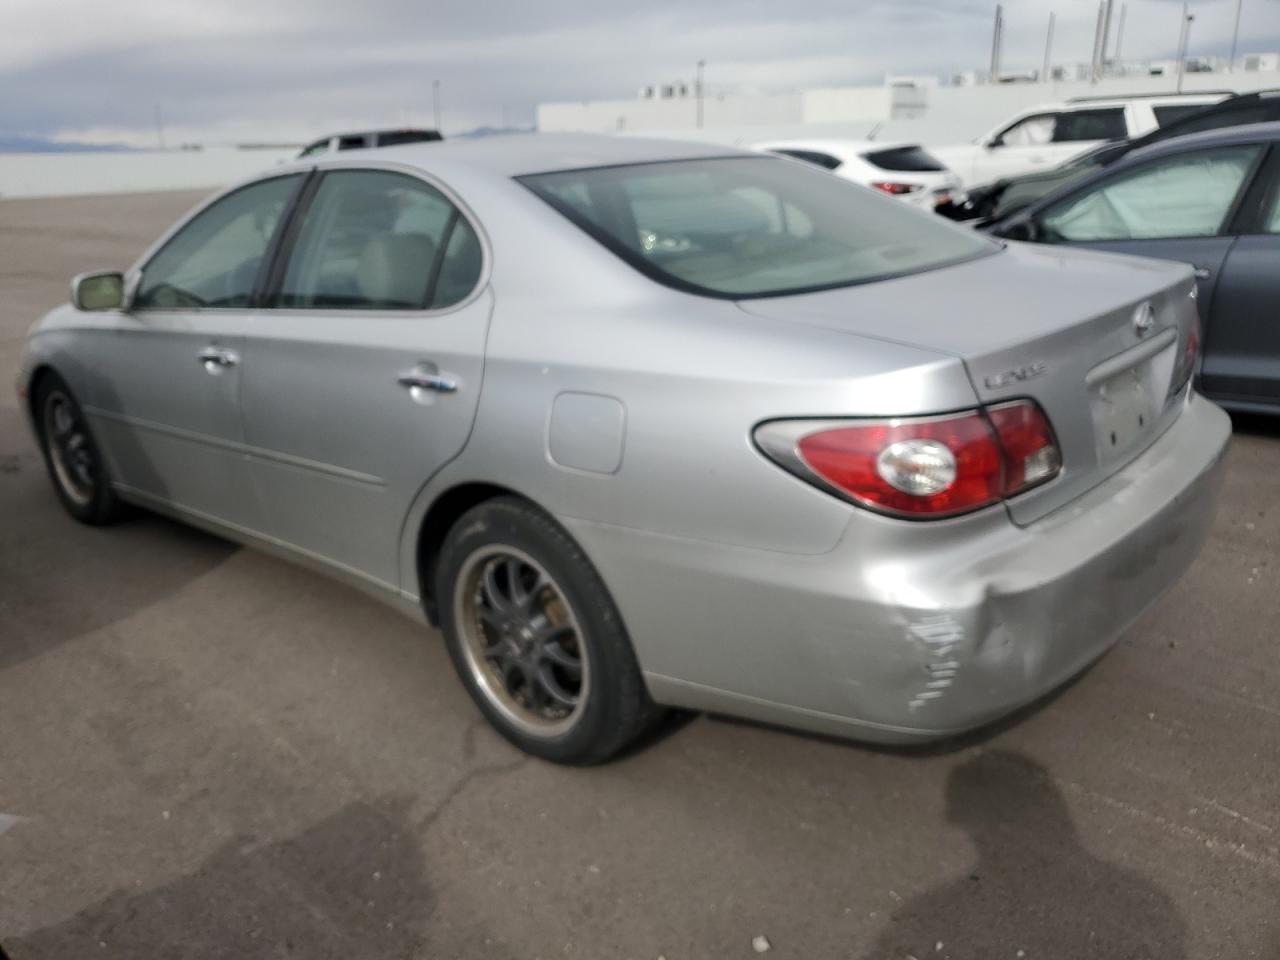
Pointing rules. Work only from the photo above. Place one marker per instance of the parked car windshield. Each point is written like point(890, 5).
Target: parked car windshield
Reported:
point(752, 226)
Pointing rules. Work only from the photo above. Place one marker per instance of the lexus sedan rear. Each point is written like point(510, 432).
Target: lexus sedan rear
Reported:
point(643, 424)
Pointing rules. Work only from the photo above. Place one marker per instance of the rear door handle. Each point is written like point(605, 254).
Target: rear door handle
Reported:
point(216, 359)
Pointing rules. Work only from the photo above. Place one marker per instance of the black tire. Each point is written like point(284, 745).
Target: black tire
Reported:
point(86, 495)
point(614, 708)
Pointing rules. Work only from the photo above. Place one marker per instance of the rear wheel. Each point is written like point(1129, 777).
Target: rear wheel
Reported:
point(75, 463)
point(536, 638)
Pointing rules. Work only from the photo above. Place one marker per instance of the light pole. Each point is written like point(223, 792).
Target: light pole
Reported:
point(1046, 74)
point(1182, 43)
point(697, 89)
point(1235, 36)
point(435, 99)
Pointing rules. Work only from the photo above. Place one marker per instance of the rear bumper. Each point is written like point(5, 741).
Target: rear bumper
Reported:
point(911, 631)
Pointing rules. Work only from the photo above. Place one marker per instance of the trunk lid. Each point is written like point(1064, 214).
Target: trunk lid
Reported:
point(1070, 329)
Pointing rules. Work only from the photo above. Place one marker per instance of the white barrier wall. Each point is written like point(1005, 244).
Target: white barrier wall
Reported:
point(935, 115)
point(64, 174)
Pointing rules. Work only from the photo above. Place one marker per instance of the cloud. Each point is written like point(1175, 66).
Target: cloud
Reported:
point(290, 69)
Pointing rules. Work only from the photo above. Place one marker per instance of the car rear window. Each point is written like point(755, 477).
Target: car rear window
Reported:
point(740, 227)
point(913, 158)
point(816, 157)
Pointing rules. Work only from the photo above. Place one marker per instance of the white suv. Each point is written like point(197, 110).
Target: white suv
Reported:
point(1045, 136)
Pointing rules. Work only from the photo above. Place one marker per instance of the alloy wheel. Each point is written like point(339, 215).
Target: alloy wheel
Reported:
point(522, 642)
point(70, 451)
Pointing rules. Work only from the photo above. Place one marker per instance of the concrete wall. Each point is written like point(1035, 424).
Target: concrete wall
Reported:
point(932, 116)
point(61, 174)
point(614, 116)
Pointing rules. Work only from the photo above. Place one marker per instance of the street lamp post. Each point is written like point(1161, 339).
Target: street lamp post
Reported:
point(697, 89)
point(1182, 43)
point(1235, 36)
point(435, 101)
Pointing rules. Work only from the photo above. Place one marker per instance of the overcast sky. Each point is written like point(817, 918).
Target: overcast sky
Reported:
point(288, 69)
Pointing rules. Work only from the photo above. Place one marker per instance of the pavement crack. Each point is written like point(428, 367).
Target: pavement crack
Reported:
point(493, 769)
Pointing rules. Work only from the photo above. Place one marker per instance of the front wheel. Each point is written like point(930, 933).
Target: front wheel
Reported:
point(75, 463)
point(536, 638)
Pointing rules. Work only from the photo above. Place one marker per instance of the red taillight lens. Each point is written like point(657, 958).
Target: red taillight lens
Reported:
point(896, 189)
point(1030, 449)
point(922, 467)
point(932, 466)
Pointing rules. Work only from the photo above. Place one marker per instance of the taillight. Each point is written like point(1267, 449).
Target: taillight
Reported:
point(921, 467)
point(1030, 449)
point(1191, 353)
point(896, 189)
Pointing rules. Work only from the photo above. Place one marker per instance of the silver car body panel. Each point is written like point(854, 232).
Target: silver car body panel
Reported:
point(626, 410)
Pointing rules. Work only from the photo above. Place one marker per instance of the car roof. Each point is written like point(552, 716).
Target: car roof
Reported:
point(1223, 136)
point(835, 145)
point(514, 155)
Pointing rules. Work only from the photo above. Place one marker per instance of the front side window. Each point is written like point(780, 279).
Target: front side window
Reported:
point(1077, 125)
point(752, 226)
point(1030, 131)
point(214, 260)
point(1189, 195)
point(1272, 222)
point(378, 240)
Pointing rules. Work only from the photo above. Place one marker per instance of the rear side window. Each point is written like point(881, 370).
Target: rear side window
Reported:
point(1189, 195)
point(1077, 125)
point(905, 159)
point(377, 240)
point(396, 137)
point(816, 157)
point(1172, 113)
point(214, 260)
point(1239, 116)
point(752, 226)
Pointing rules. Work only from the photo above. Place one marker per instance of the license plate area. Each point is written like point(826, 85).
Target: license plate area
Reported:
point(1126, 401)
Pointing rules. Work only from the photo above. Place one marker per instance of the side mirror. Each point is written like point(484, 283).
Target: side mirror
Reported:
point(98, 291)
point(994, 142)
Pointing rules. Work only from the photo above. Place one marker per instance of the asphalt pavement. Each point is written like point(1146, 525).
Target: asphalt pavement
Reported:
point(208, 753)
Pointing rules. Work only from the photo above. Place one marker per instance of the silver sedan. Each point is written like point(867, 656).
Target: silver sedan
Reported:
point(644, 424)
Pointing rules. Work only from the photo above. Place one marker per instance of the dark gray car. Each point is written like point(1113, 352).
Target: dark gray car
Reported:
point(1211, 200)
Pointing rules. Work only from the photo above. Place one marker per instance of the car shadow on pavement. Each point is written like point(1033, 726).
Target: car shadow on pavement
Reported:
point(1255, 425)
point(60, 579)
point(353, 885)
point(1035, 890)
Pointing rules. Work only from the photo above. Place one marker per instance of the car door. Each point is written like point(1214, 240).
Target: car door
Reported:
point(1024, 146)
point(165, 393)
point(1174, 206)
point(363, 377)
point(1242, 337)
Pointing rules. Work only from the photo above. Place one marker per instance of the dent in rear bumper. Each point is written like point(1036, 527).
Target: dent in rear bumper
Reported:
point(894, 637)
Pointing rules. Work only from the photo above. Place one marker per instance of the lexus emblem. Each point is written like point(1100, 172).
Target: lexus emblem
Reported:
point(1144, 319)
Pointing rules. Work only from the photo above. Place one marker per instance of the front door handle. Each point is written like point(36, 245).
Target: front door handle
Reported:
point(217, 359)
point(417, 380)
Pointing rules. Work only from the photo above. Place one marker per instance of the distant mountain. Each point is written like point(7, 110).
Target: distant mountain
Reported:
point(38, 145)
